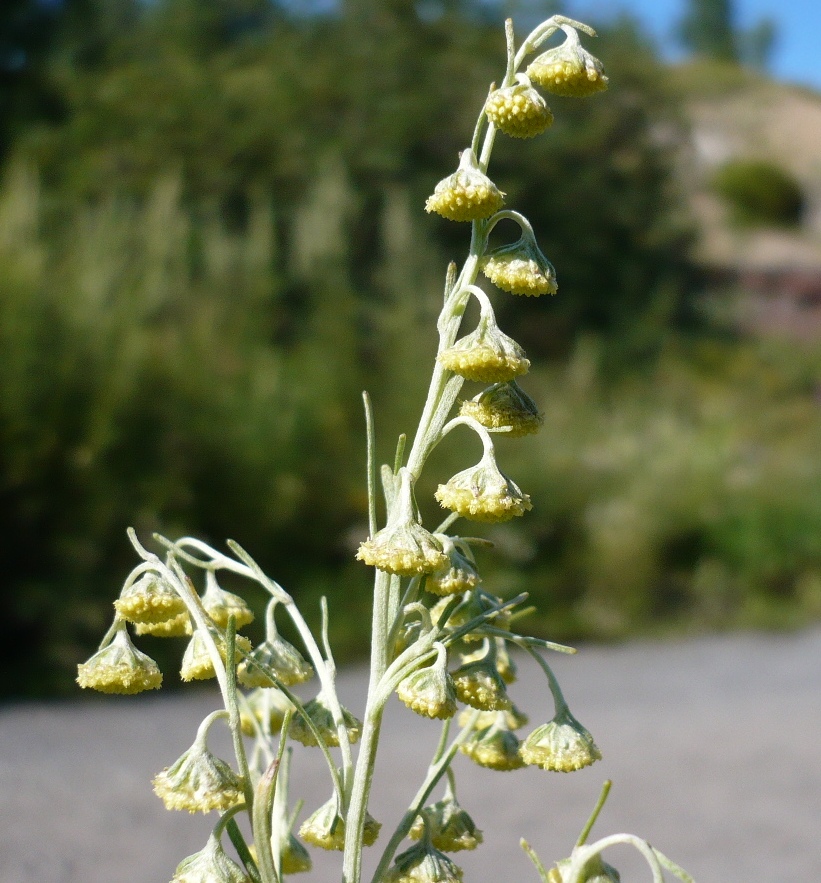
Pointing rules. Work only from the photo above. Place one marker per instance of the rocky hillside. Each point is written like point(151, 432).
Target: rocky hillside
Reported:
point(737, 114)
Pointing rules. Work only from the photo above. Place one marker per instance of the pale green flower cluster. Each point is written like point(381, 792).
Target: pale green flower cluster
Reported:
point(440, 639)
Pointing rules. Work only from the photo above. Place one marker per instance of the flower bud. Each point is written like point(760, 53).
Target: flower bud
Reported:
point(197, 664)
point(150, 599)
point(480, 685)
point(466, 195)
point(459, 574)
point(423, 863)
point(119, 668)
point(403, 546)
point(199, 781)
point(451, 829)
point(268, 707)
point(504, 406)
point(275, 653)
point(211, 865)
point(562, 745)
point(502, 660)
point(322, 717)
point(325, 828)
point(568, 69)
point(429, 691)
point(495, 747)
point(518, 110)
point(483, 493)
point(520, 268)
point(487, 354)
point(220, 605)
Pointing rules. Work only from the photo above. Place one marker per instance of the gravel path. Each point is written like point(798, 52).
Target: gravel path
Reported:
point(712, 744)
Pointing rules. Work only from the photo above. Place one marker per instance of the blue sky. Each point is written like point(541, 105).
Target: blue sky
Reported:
point(797, 54)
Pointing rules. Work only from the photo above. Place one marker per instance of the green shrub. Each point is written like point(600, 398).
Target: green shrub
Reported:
point(759, 193)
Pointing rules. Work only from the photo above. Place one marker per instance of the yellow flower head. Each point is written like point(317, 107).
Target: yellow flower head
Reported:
point(403, 546)
point(466, 195)
point(325, 828)
point(211, 865)
point(220, 605)
point(285, 661)
point(562, 745)
point(199, 781)
point(459, 574)
point(568, 69)
point(119, 668)
point(423, 863)
point(322, 718)
point(495, 747)
point(197, 664)
point(483, 493)
point(479, 684)
point(487, 354)
point(518, 110)
point(150, 599)
point(504, 406)
point(520, 268)
point(429, 691)
point(451, 829)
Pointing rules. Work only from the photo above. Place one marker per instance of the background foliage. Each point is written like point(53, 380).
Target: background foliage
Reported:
point(212, 238)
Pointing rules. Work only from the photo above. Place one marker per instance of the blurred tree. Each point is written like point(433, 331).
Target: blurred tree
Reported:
point(709, 29)
point(27, 30)
point(757, 44)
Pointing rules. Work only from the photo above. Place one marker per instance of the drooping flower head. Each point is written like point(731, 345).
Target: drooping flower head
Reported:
point(275, 653)
point(429, 690)
point(520, 268)
point(479, 684)
point(466, 195)
point(220, 605)
point(198, 781)
point(487, 354)
point(483, 492)
point(504, 406)
point(568, 69)
point(210, 865)
point(325, 828)
point(459, 574)
point(518, 110)
point(197, 663)
point(403, 546)
point(119, 668)
point(149, 599)
point(562, 745)
point(495, 747)
point(318, 710)
point(423, 863)
point(450, 828)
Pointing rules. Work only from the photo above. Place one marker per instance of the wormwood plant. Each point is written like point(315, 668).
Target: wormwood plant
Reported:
point(439, 636)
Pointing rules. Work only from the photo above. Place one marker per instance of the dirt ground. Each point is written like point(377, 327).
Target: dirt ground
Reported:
point(712, 745)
